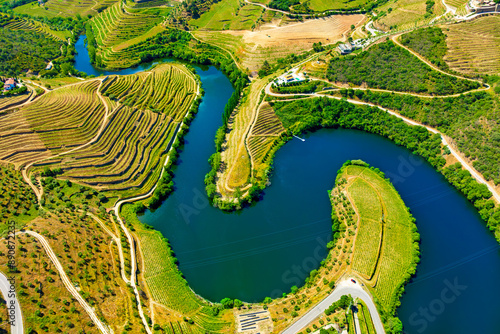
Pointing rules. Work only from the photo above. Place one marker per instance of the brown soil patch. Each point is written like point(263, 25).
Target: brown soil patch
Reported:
point(324, 30)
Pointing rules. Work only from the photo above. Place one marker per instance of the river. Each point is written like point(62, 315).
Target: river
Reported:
point(265, 249)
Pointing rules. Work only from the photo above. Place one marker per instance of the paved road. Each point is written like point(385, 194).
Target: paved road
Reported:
point(16, 327)
point(345, 287)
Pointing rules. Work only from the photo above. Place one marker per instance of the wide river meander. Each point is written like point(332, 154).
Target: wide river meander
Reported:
point(265, 249)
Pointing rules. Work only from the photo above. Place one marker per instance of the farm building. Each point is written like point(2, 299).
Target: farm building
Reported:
point(345, 48)
point(9, 84)
point(483, 6)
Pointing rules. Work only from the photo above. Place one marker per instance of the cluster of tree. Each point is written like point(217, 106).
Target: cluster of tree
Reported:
point(311, 114)
point(11, 4)
point(300, 87)
point(387, 66)
point(470, 120)
point(229, 303)
point(92, 45)
point(342, 304)
point(15, 91)
point(283, 4)
point(51, 172)
point(477, 193)
point(429, 8)
point(25, 50)
point(428, 42)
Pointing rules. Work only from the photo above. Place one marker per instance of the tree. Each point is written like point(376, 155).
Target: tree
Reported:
point(238, 303)
point(227, 303)
point(265, 69)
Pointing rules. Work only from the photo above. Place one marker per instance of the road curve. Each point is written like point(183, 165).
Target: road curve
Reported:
point(67, 282)
point(345, 287)
point(16, 322)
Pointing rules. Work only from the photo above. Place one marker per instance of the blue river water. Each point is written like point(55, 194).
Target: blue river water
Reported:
point(272, 245)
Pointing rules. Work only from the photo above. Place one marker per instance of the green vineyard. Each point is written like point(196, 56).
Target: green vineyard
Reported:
point(118, 24)
point(168, 90)
point(126, 157)
point(163, 278)
point(32, 25)
point(386, 246)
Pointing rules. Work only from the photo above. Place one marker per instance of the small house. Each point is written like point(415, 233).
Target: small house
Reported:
point(9, 84)
point(345, 48)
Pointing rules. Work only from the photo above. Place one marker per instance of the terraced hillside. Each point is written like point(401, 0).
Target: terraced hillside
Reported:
point(229, 14)
point(145, 112)
point(119, 24)
point(7, 102)
point(263, 138)
point(36, 26)
point(474, 46)
point(167, 90)
point(67, 8)
point(59, 120)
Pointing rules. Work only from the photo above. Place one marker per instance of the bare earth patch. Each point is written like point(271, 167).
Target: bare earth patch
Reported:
point(324, 30)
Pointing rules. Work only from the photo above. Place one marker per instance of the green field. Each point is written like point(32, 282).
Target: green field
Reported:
point(228, 15)
point(386, 247)
point(365, 319)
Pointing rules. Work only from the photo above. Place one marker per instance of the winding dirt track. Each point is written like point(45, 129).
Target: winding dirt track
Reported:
point(67, 282)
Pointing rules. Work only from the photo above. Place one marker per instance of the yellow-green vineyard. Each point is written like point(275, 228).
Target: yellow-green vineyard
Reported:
point(55, 122)
point(474, 46)
point(263, 136)
point(386, 242)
